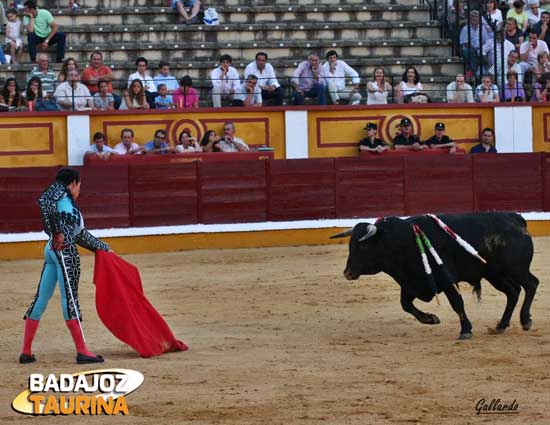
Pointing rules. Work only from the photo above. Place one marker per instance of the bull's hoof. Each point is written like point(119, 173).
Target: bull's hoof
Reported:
point(527, 325)
point(466, 335)
point(429, 319)
point(435, 320)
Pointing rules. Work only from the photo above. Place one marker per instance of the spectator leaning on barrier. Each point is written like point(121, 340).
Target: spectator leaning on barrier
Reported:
point(186, 143)
point(541, 28)
point(47, 77)
point(158, 145)
point(338, 71)
point(225, 81)
point(378, 89)
point(72, 95)
point(164, 77)
point(99, 148)
point(486, 144)
point(42, 31)
point(185, 96)
point(248, 94)
point(229, 142)
point(487, 92)
point(406, 140)
point(309, 81)
point(371, 143)
point(127, 145)
point(210, 141)
point(272, 92)
point(440, 140)
point(459, 91)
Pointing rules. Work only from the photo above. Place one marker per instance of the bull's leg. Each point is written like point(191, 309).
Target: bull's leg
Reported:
point(530, 286)
point(511, 290)
point(457, 303)
point(408, 306)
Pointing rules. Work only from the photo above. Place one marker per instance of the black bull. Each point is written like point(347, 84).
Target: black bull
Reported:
point(500, 238)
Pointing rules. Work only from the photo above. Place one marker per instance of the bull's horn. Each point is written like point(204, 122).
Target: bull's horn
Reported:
point(342, 234)
point(371, 231)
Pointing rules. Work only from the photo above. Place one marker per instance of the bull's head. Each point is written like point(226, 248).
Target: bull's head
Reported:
point(362, 258)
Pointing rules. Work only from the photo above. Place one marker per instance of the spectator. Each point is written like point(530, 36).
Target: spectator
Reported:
point(409, 85)
point(488, 48)
point(544, 95)
point(440, 140)
point(512, 33)
point(309, 80)
point(248, 94)
point(73, 95)
point(225, 81)
point(99, 148)
point(164, 77)
point(68, 65)
point(545, 5)
point(163, 100)
point(11, 96)
point(185, 96)
point(486, 145)
point(180, 5)
point(544, 61)
point(541, 28)
point(406, 140)
point(103, 100)
point(95, 72)
point(272, 92)
point(487, 92)
point(13, 36)
point(511, 65)
point(229, 142)
point(135, 97)
point(337, 71)
point(513, 89)
point(210, 142)
point(42, 31)
point(158, 145)
point(371, 143)
point(471, 47)
point(147, 82)
point(518, 13)
point(533, 13)
point(186, 143)
point(46, 75)
point(492, 17)
point(127, 145)
point(530, 50)
point(459, 91)
point(33, 93)
point(378, 89)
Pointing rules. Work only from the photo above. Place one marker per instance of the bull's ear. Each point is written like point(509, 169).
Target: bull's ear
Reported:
point(371, 231)
point(342, 234)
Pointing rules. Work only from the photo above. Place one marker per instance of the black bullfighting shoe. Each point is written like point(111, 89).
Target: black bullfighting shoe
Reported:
point(27, 358)
point(84, 359)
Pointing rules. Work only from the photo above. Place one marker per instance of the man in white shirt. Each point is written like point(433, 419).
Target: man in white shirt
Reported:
point(146, 79)
point(72, 95)
point(225, 81)
point(99, 148)
point(338, 70)
point(230, 143)
point(127, 145)
point(272, 92)
point(529, 51)
point(533, 12)
point(248, 94)
point(459, 91)
point(164, 77)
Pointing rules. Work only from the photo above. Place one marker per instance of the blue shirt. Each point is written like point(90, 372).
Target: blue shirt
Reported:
point(163, 103)
point(480, 149)
point(149, 146)
point(169, 80)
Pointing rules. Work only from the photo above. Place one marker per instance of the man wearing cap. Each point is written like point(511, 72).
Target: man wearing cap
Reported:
point(371, 143)
point(486, 145)
point(440, 140)
point(406, 140)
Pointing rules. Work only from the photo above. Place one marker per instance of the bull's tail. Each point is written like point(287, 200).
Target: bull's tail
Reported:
point(476, 291)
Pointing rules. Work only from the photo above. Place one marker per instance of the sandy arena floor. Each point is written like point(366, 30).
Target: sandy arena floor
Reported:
point(278, 336)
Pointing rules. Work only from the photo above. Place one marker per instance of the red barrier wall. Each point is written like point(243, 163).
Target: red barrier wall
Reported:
point(250, 191)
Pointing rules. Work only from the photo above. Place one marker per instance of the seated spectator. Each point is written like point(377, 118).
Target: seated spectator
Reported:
point(127, 145)
point(229, 142)
point(11, 96)
point(513, 89)
point(337, 71)
point(540, 87)
point(533, 13)
point(149, 86)
point(225, 81)
point(492, 17)
point(103, 100)
point(272, 92)
point(309, 81)
point(185, 96)
point(68, 65)
point(471, 48)
point(371, 143)
point(459, 91)
point(543, 61)
point(13, 36)
point(180, 5)
point(164, 77)
point(409, 85)
point(378, 89)
point(96, 72)
point(406, 140)
point(46, 75)
point(158, 145)
point(42, 31)
point(99, 148)
point(210, 142)
point(73, 95)
point(489, 51)
point(529, 51)
point(545, 5)
point(518, 13)
point(486, 145)
point(33, 93)
point(440, 140)
point(186, 143)
point(487, 92)
point(135, 97)
point(163, 100)
point(541, 28)
point(248, 94)
point(512, 33)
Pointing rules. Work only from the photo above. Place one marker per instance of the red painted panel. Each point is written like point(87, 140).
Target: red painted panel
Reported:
point(302, 189)
point(546, 181)
point(369, 188)
point(438, 184)
point(233, 192)
point(163, 194)
point(508, 182)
